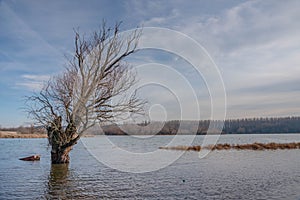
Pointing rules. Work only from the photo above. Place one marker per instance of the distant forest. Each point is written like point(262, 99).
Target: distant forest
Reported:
point(185, 127)
point(231, 126)
point(263, 125)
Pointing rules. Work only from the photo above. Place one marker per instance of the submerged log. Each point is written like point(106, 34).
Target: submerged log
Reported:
point(31, 158)
point(184, 148)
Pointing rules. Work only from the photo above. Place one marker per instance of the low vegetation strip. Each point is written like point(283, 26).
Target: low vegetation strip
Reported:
point(12, 134)
point(226, 146)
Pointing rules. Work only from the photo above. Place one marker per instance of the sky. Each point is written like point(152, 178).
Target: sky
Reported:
point(254, 44)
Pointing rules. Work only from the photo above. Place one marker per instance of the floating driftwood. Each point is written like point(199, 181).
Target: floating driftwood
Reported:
point(226, 146)
point(31, 158)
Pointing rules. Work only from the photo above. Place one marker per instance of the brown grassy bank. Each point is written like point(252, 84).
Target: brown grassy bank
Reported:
point(12, 134)
point(253, 146)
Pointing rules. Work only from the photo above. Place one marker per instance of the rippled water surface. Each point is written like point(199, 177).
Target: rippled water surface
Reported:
point(220, 175)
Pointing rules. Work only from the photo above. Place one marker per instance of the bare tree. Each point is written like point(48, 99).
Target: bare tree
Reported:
point(92, 89)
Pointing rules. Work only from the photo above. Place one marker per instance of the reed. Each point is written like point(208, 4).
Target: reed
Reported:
point(254, 146)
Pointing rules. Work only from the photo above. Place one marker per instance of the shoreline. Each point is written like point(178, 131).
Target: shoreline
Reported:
point(14, 134)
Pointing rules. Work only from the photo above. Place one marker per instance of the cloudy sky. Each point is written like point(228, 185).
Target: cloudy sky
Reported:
point(254, 44)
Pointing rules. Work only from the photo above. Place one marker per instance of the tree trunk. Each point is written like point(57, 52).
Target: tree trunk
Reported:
point(60, 156)
point(61, 141)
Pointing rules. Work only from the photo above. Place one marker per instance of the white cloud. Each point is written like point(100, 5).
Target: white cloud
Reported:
point(36, 77)
point(255, 44)
point(32, 82)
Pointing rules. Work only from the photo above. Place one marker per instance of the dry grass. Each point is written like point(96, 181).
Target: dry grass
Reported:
point(12, 134)
point(184, 148)
point(254, 146)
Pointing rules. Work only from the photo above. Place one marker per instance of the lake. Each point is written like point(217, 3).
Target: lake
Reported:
point(94, 171)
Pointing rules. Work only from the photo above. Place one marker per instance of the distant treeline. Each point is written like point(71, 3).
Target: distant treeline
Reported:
point(263, 125)
point(231, 126)
point(185, 127)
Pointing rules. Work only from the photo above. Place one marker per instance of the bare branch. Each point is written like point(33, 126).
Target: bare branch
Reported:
point(92, 88)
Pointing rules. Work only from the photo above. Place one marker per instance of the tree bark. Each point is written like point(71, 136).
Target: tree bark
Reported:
point(61, 140)
point(60, 156)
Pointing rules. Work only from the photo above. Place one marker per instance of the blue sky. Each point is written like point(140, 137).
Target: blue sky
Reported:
point(255, 44)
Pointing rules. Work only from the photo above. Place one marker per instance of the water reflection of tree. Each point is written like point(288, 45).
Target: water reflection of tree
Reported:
point(59, 182)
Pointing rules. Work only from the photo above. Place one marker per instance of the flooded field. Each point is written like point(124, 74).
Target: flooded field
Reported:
point(231, 174)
